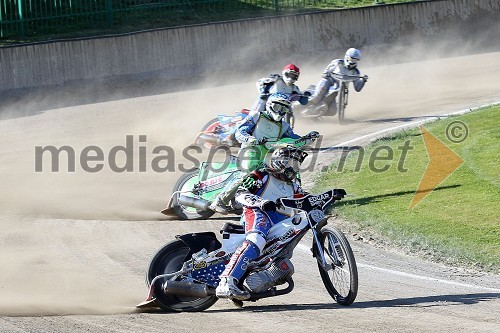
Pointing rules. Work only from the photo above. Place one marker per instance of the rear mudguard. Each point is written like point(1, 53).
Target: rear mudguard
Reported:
point(200, 240)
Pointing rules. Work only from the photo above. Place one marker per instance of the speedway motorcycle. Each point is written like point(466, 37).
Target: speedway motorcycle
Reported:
point(184, 274)
point(336, 99)
point(197, 189)
point(220, 131)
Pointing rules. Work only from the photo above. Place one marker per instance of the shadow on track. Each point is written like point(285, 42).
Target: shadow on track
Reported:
point(430, 301)
point(347, 121)
point(388, 120)
point(376, 198)
point(422, 301)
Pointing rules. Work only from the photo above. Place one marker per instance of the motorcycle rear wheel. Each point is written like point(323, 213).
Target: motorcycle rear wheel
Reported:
point(341, 281)
point(209, 127)
point(185, 212)
point(170, 259)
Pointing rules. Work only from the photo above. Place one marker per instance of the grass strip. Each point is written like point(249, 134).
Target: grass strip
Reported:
point(458, 221)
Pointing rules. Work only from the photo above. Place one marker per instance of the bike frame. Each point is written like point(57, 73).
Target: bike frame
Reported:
point(262, 262)
point(283, 237)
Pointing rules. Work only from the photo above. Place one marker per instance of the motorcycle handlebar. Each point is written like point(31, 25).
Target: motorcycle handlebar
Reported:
point(292, 98)
point(269, 143)
point(348, 77)
point(313, 202)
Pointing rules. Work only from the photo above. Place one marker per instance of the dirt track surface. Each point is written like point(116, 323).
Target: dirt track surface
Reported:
point(74, 245)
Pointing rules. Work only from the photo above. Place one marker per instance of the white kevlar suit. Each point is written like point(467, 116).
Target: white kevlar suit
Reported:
point(327, 87)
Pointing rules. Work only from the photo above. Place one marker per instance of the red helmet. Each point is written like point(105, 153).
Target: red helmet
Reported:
point(290, 74)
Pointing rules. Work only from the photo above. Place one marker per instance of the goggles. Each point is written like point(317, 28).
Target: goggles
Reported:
point(292, 75)
point(292, 159)
point(279, 108)
point(351, 60)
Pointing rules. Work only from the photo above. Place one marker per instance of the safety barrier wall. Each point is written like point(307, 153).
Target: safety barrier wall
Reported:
point(179, 52)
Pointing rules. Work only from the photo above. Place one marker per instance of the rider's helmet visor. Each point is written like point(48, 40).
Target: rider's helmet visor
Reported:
point(351, 61)
point(292, 75)
point(279, 108)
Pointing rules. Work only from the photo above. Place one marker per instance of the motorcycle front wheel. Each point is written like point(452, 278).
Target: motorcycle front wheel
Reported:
point(186, 184)
point(342, 102)
point(169, 259)
point(341, 276)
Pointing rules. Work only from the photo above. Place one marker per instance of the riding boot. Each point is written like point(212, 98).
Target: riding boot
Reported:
point(235, 270)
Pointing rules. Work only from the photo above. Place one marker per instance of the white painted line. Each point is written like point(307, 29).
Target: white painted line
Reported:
point(426, 278)
point(390, 271)
point(304, 248)
point(411, 124)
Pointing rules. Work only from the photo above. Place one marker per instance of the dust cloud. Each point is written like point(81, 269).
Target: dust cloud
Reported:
point(78, 242)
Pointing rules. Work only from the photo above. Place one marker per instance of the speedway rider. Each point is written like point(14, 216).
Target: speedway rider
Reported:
point(258, 194)
point(275, 83)
point(323, 97)
point(257, 128)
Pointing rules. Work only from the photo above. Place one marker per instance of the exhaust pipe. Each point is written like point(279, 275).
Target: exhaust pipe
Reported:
point(200, 204)
point(187, 289)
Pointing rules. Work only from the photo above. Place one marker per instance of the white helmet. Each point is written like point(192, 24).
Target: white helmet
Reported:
point(277, 106)
point(285, 162)
point(351, 58)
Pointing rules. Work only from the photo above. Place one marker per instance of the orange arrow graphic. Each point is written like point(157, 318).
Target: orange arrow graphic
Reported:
point(442, 163)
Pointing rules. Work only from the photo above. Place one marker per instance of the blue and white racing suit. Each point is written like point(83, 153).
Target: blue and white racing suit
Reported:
point(259, 186)
point(257, 125)
point(275, 84)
